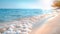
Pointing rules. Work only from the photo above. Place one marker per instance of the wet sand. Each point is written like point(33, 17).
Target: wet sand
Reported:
point(52, 26)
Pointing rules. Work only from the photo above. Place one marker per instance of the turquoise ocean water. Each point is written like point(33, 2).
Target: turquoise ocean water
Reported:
point(12, 14)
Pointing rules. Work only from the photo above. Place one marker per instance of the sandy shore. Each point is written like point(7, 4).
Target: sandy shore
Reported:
point(52, 26)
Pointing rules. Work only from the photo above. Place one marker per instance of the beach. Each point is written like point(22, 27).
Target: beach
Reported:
point(39, 23)
point(36, 21)
point(52, 26)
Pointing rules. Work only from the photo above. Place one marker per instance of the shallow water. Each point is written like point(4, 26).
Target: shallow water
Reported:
point(12, 14)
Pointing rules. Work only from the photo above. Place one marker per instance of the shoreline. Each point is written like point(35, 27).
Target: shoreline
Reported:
point(38, 17)
point(49, 26)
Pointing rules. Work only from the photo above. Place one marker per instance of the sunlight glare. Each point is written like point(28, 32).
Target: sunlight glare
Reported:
point(46, 4)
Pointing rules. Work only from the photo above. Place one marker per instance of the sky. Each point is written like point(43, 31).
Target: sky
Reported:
point(26, 4)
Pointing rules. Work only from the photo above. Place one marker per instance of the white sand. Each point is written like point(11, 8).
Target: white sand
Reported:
point(52, 26)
